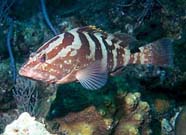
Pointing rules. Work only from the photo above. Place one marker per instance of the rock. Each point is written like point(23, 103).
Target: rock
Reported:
point(26, 125)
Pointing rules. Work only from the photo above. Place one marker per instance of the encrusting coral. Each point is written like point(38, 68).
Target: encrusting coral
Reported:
point(131, 118)
point(86, 122)
point(134, 118)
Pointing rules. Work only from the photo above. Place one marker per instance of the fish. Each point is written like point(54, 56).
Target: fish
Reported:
point(88, 55)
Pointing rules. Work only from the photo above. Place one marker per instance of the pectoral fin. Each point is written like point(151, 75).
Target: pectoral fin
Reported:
point(94, 76)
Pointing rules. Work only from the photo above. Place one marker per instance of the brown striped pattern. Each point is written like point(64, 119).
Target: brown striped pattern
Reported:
point(67, 40)
point(109, 54)
point(91, 29)
point(98, 55)
point(138, 58)
point(85, 48)
point(46, 45)
point(131, 61)
point(147, 55)
point(120, 59)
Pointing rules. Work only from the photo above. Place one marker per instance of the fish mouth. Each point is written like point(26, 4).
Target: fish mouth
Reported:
point(28, 72)
point(23, 72)
point(39, 76)
point(53, 81)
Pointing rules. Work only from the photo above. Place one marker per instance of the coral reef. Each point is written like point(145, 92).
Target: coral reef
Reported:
point(46, 96)
point(8, 110)
point(169, 124)
point(25, 125)
point(6, 83)
point(161, 105)
point(135, 116)
point(25, 94)
point(116, 108)
point(132, 118)
point(180, 127)
point(86, 122)
point(169, 80)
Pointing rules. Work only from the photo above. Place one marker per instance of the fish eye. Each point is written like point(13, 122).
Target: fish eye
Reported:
point(43, 58)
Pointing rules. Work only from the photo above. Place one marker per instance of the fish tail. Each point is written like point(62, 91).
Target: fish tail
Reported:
point(158, 53)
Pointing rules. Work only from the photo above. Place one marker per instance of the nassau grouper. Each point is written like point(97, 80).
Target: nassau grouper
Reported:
point(89, 55)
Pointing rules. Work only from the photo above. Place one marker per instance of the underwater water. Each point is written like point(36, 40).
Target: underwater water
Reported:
point(92, 67)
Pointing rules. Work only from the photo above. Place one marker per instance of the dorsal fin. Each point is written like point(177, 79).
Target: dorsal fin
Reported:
point(128, 41)
point(124, 36)
point(91, 29)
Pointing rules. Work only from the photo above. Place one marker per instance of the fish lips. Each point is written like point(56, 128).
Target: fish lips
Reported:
point(39, 76)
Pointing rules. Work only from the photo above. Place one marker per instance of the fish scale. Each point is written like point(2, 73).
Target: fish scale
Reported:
point(89, 55)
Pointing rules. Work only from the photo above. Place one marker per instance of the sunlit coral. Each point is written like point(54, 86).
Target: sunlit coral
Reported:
point(86, 122)
point(132, 118)
point(135, 116)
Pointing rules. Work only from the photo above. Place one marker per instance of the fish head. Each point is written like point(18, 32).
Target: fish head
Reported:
point(38, 69)
point(62, 70)
point(68, 57)
point(53, 65)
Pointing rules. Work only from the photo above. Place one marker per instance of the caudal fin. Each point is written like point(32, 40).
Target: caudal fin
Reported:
point(158, 53)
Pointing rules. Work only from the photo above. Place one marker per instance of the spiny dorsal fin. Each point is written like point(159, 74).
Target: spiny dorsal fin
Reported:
point(91, 29)
point(128, 41)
